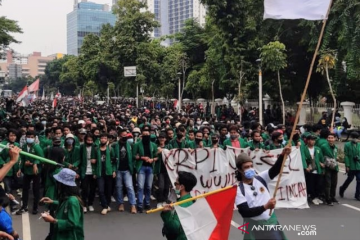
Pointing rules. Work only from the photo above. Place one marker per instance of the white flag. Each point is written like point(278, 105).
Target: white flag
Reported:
point(296, 9)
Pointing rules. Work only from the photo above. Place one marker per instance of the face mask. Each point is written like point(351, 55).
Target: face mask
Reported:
point(180, 136)
point(69, 141)
point(123, 139)
point(198, 140)
point(198, 122)
point(89, 144)
point(250, 173)
point(30, 140)
point(36, 119)
point(146, 139)
point(233, 137)
point(131, 141)
point(215, 141)
point(102, 144)
point(177, 192)
point(43, 122)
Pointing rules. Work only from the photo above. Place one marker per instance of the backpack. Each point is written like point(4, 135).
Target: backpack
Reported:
point(260, 179)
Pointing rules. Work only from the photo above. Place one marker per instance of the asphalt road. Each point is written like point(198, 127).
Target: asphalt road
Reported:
point(340, 221)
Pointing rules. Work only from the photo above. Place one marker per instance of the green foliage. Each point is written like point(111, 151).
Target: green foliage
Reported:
point(273, 56)
point(7, 28)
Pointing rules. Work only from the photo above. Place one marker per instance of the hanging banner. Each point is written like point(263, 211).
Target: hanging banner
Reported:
point(215, 169)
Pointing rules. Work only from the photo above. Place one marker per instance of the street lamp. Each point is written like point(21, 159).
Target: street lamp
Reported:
point(179, 99)
point(258, 61)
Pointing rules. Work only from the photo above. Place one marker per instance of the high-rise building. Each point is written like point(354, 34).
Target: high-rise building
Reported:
point(86, 18)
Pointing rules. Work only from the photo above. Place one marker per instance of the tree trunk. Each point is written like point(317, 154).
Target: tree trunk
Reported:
point(281, 97)
point(333, 96)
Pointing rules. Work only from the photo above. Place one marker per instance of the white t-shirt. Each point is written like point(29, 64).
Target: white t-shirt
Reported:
point(263, 195)
point(312, 154)
point(88, 164)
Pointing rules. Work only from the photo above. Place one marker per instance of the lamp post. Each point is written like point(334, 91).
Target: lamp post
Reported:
point(142, 93)
point(258, 61)
point(179, 99)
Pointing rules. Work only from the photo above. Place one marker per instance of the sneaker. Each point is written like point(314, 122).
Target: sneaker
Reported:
point(341, 192)
point(330, 203)
point(113, 199)
point(85, 209)
point(104, 211)
point(109, 209)
point(19, 193)
point(357, 198)
point(152, 198)
point(133, 209)
point(315, 202)
point(21, 211)
point(334, 200)
point(159, 205)
point(126, 199)
point(91, 208)
point(139, 209)
point(121, 208)
point(35, 211)
point(147, 207)
point(319, 201)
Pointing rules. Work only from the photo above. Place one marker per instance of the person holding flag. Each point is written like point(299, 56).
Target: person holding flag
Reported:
point(253, 198)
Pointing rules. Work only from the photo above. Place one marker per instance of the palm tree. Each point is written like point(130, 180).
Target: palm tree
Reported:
point(327, 61)
point(273, 57)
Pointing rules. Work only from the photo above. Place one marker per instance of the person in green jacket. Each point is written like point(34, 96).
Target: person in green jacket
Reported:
point(180, 141)
point(235, 140)
point(277, 141)
point(144, 156)
point(352, 164)
point(172, 228)
point(324, 133)
point(69, 219)
point(105, 172)
point(31, 169)
point(330, 152)
point(314, 169)
point(72, 153)
point(255, 143)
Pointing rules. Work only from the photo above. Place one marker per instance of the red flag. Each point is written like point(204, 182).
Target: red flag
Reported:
point(208, 218)
point(34, 87)
point(22, 94)
point(54, 103)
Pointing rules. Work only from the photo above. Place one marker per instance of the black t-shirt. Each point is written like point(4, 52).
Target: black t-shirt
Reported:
point(163, 167)
point(123, 161)
point(103, 162)
point(147, 154)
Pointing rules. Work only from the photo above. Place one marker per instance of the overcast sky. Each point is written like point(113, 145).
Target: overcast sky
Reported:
point(43, 23)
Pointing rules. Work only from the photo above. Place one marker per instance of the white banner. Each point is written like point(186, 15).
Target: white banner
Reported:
point(215, 169)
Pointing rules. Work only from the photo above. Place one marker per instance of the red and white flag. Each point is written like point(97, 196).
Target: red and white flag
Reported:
point(54, 103)
point(176, 105)
point(209, 218)
point(22, 94)
point(34, 87)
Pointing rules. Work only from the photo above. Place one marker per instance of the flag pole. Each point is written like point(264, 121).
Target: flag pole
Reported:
point(303, 97)
point(192, 199)
point(44, 160)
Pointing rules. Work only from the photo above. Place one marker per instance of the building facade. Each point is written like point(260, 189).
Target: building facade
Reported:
point(86, 18)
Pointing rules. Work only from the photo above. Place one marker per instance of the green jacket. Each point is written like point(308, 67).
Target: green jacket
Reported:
point(109, 165)
point(273, 147)
point(207, 143)
point(36, 150)
point(70, 220)
point(320, 141)
point(254, 145)
point(184, 144)
point(243, 143)
point(45, 142)
point(157, 166)
point(327, 151)
point(318, 158)
point(138, 148)
point(83, 160)
point(115, 153)
point(5, 158)
point(351, 151)
point(172, 224)
point(72, 157)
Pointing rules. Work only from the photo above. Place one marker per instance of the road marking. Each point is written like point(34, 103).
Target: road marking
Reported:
point(350, 206)
point(234, 224)
point(26, 226)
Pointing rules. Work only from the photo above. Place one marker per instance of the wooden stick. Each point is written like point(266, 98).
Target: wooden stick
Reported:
point(302, 98)
point(192, 199)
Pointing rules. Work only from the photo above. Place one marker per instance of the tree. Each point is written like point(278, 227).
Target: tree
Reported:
point(327, 61)
point(8, 27)
point(274, 57)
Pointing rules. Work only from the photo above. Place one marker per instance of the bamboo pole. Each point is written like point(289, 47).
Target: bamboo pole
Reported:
point(192, 199)
point(44, 160)
point(302, 98)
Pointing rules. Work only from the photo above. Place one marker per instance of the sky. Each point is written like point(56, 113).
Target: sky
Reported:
point(43, 23)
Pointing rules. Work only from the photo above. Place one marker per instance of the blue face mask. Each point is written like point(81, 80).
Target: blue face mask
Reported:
point(130, 140)
point(177, 192)
point(30, 140)
point(250, 173)
point(43, 122)
point(70, 141)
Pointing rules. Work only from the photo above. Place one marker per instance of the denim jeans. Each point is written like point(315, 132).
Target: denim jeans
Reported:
point(338, 131)
point(124, 177)
point(145, 179)
point(105, 186)
point(351, 175)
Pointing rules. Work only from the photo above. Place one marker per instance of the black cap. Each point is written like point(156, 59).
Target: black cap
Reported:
point(311, 137)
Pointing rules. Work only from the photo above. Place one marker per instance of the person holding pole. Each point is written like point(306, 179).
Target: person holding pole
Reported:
point(172, 228)
point(253, 198)
point(14, 156)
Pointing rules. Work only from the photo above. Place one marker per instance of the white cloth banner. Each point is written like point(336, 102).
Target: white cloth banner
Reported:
point(215, 169)
point(296, 9)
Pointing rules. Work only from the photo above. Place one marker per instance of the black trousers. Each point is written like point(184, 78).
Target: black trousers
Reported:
point(88, 190)
point(164, 187)
point(331, 177)
point(36, 190)
point(105, 190)
point(314, 184)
